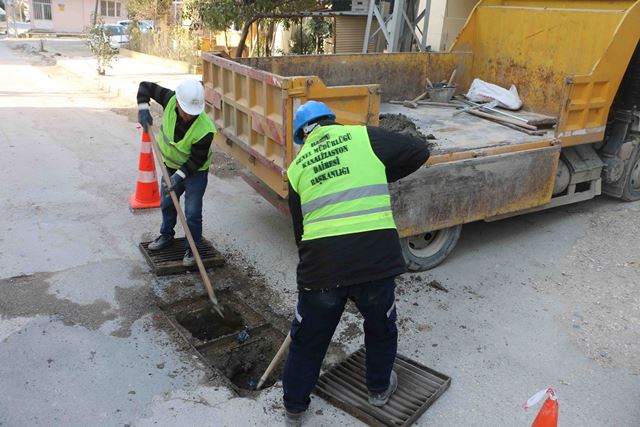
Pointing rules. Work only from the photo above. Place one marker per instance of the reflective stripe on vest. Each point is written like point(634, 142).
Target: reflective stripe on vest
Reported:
point(350, 214)
point(341, 183)
point(346, 195)
point(176, 153)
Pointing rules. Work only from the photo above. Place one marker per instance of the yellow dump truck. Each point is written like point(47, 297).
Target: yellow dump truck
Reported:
point(574, 61)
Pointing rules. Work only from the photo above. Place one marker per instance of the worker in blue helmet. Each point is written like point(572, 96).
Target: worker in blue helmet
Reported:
point(348, 245)
point(307, 116)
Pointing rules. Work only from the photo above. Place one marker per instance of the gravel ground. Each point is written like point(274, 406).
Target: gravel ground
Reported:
point(599, 281)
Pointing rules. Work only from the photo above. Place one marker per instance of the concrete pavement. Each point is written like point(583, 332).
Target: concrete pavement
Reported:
point(543, 299)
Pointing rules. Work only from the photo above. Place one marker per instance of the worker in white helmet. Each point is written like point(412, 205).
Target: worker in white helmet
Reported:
point(185, 140)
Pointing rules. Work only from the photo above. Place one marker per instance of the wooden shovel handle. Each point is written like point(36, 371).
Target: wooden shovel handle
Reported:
point(275, 361)
point(185, 226)
point(453, 76)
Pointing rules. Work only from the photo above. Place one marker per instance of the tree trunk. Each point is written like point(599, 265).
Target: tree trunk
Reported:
point(268, 40)
point(275, 33)
point(243, 36)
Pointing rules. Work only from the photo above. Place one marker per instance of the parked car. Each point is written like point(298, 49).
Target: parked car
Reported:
point(118, 35)
point(143, 26)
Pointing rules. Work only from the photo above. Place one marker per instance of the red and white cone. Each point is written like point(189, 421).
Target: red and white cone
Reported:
point(147, 194)
point(548, 415)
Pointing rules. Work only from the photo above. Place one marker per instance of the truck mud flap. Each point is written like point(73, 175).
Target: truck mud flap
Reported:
point(448, 194)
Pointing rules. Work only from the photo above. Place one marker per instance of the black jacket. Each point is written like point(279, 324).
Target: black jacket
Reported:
point(200, 149)
point(350, 259)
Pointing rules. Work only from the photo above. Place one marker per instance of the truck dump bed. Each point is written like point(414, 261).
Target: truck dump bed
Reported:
point(566, 57)
point(465, 136)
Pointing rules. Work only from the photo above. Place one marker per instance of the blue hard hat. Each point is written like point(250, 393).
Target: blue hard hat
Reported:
point(307, 113)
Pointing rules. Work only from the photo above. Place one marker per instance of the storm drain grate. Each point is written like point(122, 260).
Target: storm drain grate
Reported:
point(418, 387)
point(169, 260)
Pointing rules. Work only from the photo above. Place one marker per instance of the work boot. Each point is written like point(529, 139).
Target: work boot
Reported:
point(161, 242)
point(293, 419)
point(381, 399)
point(188, 260)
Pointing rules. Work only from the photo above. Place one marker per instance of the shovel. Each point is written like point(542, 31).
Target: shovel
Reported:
point(183, 221)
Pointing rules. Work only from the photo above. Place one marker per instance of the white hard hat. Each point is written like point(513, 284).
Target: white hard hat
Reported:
point(190, 95)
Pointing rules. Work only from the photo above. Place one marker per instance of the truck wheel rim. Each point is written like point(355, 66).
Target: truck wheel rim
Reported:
point(635, 176)
point(427, 244)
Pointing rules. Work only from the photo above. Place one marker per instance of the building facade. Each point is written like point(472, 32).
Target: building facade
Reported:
point(73, 16)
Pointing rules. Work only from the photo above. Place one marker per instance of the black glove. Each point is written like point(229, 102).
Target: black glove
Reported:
point(176, 182)
point(144, 118)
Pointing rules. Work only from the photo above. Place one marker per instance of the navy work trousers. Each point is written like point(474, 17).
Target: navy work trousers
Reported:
point(193, 187)
point(317, 315)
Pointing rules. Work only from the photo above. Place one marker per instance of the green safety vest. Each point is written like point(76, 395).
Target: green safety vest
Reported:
point(175, 154)
point(341, 182)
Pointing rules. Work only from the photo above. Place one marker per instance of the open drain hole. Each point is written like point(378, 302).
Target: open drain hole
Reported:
point(240, 345)
point(206, 324)
point(244, 363)
point(198, 318)
point(244, 366)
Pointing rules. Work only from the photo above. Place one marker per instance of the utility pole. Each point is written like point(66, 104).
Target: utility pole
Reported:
point(95, 14)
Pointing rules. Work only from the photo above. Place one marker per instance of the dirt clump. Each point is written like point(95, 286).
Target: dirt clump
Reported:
point(404, 125)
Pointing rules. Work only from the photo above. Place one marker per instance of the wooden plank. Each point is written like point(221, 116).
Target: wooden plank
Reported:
point(503, 119)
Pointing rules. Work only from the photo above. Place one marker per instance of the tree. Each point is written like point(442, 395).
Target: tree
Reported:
point(308, 38)
point(148, 9)
point(218, 15)
point(100, 45)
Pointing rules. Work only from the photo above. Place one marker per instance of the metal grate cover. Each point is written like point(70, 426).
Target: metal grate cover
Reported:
point(169, 259)
point(418, 387)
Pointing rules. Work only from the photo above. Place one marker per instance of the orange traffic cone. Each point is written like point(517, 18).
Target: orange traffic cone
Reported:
point(147, 193)
point(548, 415)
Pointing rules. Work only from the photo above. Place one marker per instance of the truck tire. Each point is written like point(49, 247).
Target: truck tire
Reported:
point(631, 191)
point(425, 251)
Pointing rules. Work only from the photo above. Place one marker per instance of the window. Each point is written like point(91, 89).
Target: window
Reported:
point(113, 30)
point(109, 8)
point(42, 9)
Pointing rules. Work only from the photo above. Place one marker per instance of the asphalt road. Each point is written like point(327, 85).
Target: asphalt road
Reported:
point(546, 299)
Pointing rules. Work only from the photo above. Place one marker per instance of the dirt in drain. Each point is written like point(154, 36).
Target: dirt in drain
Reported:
point(245, 365)
point(206, 324)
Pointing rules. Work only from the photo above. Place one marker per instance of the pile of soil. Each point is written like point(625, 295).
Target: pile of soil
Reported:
point(403, 125)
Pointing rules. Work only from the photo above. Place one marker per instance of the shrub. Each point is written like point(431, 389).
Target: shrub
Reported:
point(100, 46)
